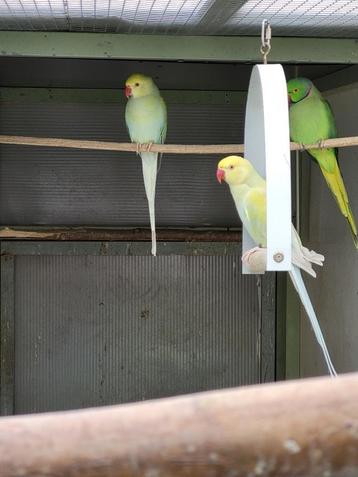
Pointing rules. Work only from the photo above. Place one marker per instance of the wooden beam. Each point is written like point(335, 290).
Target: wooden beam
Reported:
point(118, 235)
point(164, 148)
point(301, 428)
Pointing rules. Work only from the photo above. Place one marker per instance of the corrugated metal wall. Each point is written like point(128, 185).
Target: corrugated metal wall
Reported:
point(71, 187)
point(82, 329)
point(95, 330)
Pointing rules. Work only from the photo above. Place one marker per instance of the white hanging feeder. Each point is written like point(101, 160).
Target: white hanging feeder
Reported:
point(267, 147)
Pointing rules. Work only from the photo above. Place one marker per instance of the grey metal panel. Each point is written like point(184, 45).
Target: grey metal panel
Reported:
point(110, 73)
point(95, 330)
point(69, 187)
point(7, 335)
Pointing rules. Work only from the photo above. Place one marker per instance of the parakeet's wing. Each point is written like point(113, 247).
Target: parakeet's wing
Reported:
point(163, 131)
point(255, 212)
point(332, 133)
point(164, 125)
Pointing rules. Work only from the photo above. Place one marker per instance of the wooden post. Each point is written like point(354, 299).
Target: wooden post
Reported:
point(301, 428)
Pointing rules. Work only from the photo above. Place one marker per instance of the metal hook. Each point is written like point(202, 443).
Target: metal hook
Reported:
point(265, 40)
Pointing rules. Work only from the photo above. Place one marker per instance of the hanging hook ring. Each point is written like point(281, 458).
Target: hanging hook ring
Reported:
point(265, 40)
point(265, 50)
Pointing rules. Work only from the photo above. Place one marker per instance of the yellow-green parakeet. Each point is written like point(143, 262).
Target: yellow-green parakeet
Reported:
point(312, 120)
point(146, 120)
point(248, 189)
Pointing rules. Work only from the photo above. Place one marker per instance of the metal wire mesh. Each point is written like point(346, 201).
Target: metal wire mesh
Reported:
point(298, 17)
point(331, 18)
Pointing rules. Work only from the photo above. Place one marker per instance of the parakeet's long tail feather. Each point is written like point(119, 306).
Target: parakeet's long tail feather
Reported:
point(335, 183)
point(149, 166)
point(296, 277)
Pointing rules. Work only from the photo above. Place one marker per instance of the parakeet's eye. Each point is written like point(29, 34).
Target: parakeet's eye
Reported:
point(137, 84)
point(295, 90)
point(231, 167)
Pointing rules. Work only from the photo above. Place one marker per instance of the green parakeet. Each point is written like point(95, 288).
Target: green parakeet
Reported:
point(248, 189)
point(312, 120)
point(146, 120)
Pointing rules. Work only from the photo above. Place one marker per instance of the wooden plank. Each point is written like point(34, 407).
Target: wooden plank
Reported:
point(302, 428)
point(50, 247)
point(109, 235)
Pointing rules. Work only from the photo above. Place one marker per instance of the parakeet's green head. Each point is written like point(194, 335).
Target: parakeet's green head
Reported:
point(298, 88)
point(138, 85)
point(233, 170)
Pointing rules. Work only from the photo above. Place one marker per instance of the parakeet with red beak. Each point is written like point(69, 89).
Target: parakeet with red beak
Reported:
point(311, 121)
point(146, 120)
point(248, 189)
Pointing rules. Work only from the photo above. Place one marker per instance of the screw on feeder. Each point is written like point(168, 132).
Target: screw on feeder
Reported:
point(265, 40)
point(279, 257)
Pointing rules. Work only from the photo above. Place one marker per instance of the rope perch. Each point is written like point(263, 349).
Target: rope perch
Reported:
point(164, 148)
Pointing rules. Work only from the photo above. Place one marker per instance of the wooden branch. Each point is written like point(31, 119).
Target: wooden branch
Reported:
point(122, 146)
point(110, 235)
point(165, 148)
point(328, 143)
point(301, 428)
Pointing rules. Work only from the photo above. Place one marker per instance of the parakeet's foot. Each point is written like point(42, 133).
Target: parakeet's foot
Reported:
point(302, 146)
point(149, 146)
point(247, 254)
point(138, 148)
point(321, 143)
point(255, 259)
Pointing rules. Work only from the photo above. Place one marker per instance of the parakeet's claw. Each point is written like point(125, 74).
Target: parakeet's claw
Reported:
point(321, 143)
point(302, 146)
point(149, 146)
point(137, 148)
point(246, 255)
point(255, 259)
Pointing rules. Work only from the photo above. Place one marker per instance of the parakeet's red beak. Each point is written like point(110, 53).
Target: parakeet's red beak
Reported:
point(128, 91)
point(289, 100)
point(220, 175)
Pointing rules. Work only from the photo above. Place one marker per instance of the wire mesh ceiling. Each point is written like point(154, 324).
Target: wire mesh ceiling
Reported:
point(324, 18)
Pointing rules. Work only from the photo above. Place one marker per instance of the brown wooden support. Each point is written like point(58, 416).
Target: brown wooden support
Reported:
point(120, 235)
point(301, 428)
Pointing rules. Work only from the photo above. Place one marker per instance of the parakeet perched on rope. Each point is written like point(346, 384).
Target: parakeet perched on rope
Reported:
point(248, 189)
point(311, 121)
point(146, 120)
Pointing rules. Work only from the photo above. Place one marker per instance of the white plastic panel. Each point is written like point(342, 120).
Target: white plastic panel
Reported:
point(267, 147)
